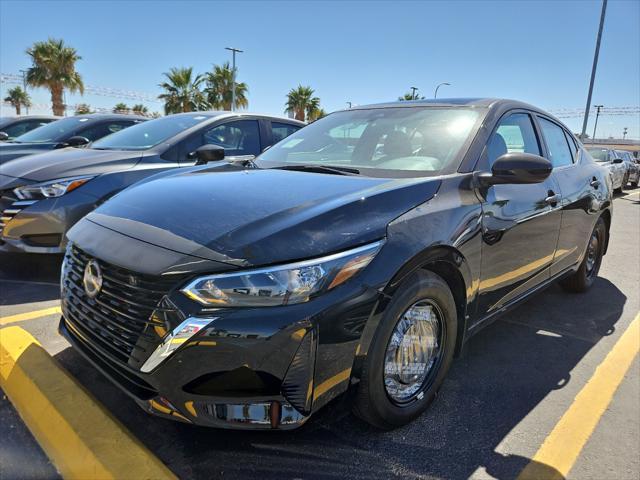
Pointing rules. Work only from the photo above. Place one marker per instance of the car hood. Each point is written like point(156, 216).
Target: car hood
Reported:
point(260, 217)
point(69, 162)
point(10, 151)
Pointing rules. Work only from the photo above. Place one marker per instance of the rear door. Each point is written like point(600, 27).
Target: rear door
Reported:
point(520, 223)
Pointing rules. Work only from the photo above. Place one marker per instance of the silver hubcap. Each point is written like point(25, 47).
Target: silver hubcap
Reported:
point(413, 350)
point(592, 253)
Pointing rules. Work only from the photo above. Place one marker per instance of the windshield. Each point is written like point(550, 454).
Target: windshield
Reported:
point(420, 140)
point(52, 132)
point(149, 134)
point(598, 154)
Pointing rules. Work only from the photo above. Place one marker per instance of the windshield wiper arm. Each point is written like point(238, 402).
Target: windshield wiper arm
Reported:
point(322, 169)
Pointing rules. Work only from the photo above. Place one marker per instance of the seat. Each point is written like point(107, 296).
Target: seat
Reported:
point(496, 147)
point(396, 145)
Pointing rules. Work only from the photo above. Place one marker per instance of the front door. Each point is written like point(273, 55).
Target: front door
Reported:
point(520, 223)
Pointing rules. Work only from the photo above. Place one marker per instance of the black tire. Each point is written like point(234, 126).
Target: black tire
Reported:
point(634, 184)
point(373, 404)
point(586, 274)
point(625, 181)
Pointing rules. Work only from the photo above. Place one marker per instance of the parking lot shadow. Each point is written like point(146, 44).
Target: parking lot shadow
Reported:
point(29, 278)
point(508, 368)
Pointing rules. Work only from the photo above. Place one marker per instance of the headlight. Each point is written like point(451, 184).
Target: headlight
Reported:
point(54, 188)
point(281, 285)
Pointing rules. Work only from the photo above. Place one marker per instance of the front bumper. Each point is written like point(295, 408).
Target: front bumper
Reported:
point(266, 368)
point(39, 226)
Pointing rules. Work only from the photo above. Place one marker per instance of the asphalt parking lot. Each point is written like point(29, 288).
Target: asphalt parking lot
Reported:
point(502, 398)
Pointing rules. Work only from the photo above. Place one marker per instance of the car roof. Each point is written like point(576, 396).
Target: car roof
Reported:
point(109, 116)
point(30, 117)
point(484, 102)
point(223, 114)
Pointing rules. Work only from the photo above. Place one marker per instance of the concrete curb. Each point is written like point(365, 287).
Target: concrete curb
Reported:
point(76, 432)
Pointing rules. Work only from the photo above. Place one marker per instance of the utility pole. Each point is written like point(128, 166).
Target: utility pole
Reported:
point(598, 107)
point(435, 94)
point(233, 76)
point(624, 133)
point(413, 92)
point(593, 72)
point(24, 87)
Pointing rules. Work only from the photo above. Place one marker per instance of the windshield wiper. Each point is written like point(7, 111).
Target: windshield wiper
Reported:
point(322, 169)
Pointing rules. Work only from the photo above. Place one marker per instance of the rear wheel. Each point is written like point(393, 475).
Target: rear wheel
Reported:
point(625, 180)
point(410, 354)
point(582, 280)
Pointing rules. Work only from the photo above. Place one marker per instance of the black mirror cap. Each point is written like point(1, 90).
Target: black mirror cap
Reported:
point(618, 160)
point(209, 153)
point(4, 136)
point(77, 141)
point(517, 168)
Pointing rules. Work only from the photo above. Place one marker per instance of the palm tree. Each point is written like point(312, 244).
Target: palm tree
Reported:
point(83, 108)
point(140, 109)
point(54, 67)
point(121, 108)
point(301, 102)
point(18, 98)
point(410, 96)
point(316, 114)
point(182, 91)
point(220, 86)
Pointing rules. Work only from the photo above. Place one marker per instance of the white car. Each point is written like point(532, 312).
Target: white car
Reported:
point(609, 159)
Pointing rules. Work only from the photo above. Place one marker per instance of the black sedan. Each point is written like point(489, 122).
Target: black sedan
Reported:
point(42, 196)
point(357, 255)
point(12, 127)
point(75, 131)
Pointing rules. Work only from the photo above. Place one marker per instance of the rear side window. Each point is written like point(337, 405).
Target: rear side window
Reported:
point(282, 130)
point(559, 152)
point(515, 133)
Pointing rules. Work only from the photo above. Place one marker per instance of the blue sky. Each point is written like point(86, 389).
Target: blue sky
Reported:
point(363, 52)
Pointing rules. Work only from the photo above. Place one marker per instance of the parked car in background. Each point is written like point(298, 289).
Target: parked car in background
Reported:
point(610, 160)
point(360, 252)
point(75, 131)
point(633, 168)
point(12, 127)
point(42, 196)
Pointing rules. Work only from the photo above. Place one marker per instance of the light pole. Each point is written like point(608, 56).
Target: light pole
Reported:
point(233, 76)
point(624, 133)
point(593, 71)
point(413, 92)
point(24, 87)
point(349, 103)
point(598, 107)
point(435, 94)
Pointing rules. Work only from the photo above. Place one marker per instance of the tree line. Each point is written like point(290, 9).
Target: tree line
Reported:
point(53, 66)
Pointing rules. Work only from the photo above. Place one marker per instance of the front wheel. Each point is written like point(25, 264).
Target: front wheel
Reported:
point(586, 274)
point(410, 354)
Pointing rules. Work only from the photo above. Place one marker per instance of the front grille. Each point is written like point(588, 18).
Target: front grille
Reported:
point(123, 321)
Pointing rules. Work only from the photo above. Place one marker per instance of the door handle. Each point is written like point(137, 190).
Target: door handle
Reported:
point(595, 183)
point(552, 199)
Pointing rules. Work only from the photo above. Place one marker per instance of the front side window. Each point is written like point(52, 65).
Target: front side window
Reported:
point(54, 131)
point(421, 140)
point(515, 133)
point(237, 138)
point(148, 134)
point(559, 152)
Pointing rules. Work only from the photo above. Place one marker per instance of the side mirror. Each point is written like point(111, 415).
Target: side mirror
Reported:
point(618, 160)
point(77, 141)
point(209, 153)
point(517, 168)
point(4, 136)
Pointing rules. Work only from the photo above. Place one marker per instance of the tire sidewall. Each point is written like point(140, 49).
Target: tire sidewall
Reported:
point(419, 286)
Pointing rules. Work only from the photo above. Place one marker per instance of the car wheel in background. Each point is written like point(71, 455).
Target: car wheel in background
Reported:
point(581, 280)
point(410, 354)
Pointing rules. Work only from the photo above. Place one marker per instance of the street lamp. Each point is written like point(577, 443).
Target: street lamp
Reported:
point(349, 103)
point(435, 95)
point(598, 107)
point(413, 92)
point(624, 133)
point(233, 76)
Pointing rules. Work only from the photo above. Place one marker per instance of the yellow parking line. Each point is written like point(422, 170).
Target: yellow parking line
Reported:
point(21, 317)
point(76, 432)
point(560, 450)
